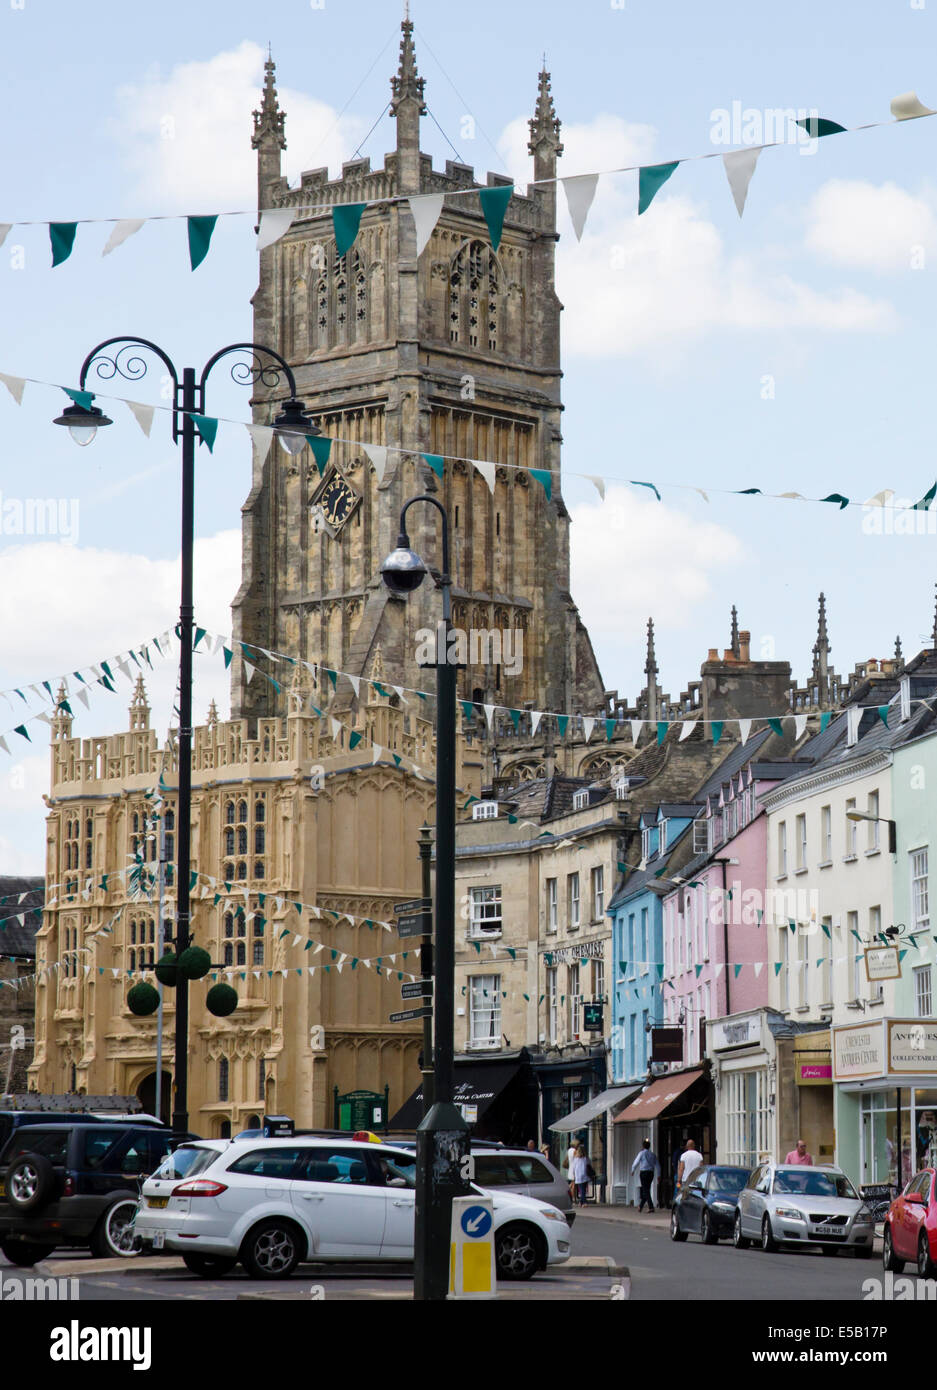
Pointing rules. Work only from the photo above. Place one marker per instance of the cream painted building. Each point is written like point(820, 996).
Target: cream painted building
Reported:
point(258, 824)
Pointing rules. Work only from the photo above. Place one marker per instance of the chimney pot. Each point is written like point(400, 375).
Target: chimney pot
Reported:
point(745, 641)
point(713, 654)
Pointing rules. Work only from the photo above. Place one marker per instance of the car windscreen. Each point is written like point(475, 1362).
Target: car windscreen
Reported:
point(814, 1184)
point(725, 1180)
point(186, 1162)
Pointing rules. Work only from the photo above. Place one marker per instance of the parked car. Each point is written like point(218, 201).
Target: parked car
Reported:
point(15, 1119)
point(276, 1202)
point(802, 1204)
point(911, 1227)
point(705, 1205)
point(74, 1183)
point(523, 1171)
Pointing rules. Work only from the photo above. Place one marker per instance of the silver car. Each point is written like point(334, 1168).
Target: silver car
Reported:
point(797, 1203)
point(527, 1173)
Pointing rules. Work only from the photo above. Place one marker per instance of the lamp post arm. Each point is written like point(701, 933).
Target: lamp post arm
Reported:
point(445, 580)
point(269, 376)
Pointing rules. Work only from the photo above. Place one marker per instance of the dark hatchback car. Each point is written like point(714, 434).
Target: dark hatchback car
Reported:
point(705, 1206)
point(74, 1184)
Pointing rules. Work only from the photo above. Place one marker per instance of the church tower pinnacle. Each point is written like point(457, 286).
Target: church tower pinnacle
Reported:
point(268, 138)
point(650, 670)
point(407, 106)
point(821, 654)
point(544, 143)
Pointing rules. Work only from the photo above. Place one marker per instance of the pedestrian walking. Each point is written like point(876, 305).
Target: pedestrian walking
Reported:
point(580, 1173)
point(799, 1154)
point(567, 1166)
point(690, 1160)
point(647, 1167)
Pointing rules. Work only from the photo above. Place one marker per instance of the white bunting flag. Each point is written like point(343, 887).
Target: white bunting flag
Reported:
point(588, 724)
point(704, 495)
point(335, 726)
point(143, 414)
point(853, 720)
point(881, 499)
point(274, 223)
point(908, 108)
point(580, 191)
point(16, 385)
point(636, 726)
point(759, 966)
point(739, 167)
point(122, 231)
point(377, 453)
point(800, 724)
point(426, 210)
point(487, 470)
point(83, 697)
point(489, 711)
point(719, 969)
point(4, 231)
point(355, 682)
point(249, 669)
point(376, 752)
point(745, 728)
point(398, 691)
point(687, 728)
point(535, 718)
point(261, 439)
point(598, 482)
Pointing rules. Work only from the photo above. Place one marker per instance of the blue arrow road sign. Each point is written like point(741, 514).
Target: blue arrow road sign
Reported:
point(476, 1222)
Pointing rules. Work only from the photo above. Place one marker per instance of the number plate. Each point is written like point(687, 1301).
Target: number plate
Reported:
point(157, 1201)
point(159, 1240)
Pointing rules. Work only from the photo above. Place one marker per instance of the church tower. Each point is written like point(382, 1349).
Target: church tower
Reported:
point(455, 352)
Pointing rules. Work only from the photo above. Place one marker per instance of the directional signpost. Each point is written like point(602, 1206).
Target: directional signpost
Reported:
point(418, 990)
point(407, 1014)
point(414, 918)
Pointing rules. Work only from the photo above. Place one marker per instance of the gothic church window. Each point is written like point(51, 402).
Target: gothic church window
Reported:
point(474, 297)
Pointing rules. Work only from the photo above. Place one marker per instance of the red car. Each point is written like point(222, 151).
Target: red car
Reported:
point(911, 1227)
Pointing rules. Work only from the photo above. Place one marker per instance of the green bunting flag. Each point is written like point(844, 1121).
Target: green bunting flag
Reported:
point(826, 931)
point(227, 657)
point(622, 868)
point(825, 718)
point(494, 203)
point(354, 739)
point(331, 675)
point(901, 956)
point(543, 477)
point(837, 497)
point(83, 398)
point(926, 500)
point(817, 126)
point(660, 970)
point(777, 726)
point(561, 722)
point(636, 483)
point(346, 219)
point(21, 729)
point(62, 237)
point(436, 462)
point(661, 731)
point(699, 970)
point(321, 448)
point(793, 927)
point(777, 966)
point(609, 729)
point(883, 714)
point(199, 634)
point(737, 968)
point(468, 710)
point(200, 233)
point(651, 178)
point(207, 427)
point(717, 725)
point(515, 718)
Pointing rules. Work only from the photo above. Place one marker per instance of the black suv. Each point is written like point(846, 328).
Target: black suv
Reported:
point(74, 1184)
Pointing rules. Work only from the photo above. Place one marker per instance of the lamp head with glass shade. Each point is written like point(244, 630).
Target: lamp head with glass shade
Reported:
point(293, 425)
point(403, 571)
point(83, 422)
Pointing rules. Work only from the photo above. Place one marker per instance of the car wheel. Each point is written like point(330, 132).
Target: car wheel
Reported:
point(738, 1240)
point(271, 1250)
point(925, 1265)
point(25, 1253)
point(768, 1242)
point(29, 1182)
point(675, 1231)
point(706, 1231)
point(889, 1259)
point(209, 1266)
point(519, 1251)
point(114, 1234)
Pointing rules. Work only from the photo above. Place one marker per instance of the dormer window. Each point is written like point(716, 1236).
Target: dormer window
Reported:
point(621, 790)
point(485, 810)
point(662, 834)
point(580, 800)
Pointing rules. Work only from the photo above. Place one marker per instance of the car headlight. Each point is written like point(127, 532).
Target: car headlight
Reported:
point(552, 1215)
point(789, 1213)
point(864, 1218)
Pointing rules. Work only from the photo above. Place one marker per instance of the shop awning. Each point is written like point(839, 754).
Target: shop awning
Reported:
point(605, 1100)
point(658, 1097)
point(478, 1087)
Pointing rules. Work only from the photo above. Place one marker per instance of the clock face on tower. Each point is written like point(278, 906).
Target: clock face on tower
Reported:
point(337, 500)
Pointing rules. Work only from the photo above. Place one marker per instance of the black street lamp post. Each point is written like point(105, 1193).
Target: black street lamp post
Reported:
point(83, 422)
point(442, 1136)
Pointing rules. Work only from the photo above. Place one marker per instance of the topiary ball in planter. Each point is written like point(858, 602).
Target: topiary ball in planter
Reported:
point(221, 1000)
point(194, 962)
point(143, 999)
point(167, 970)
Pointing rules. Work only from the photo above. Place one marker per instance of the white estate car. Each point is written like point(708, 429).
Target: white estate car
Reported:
point(270, 1203)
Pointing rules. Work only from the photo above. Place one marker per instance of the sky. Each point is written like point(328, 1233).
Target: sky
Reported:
point(789, 349)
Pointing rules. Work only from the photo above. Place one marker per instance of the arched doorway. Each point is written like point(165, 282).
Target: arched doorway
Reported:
point(146, 1094)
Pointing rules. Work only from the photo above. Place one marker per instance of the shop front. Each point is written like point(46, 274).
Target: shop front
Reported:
point(566, 1086)
point(886, 1100)
point(669, 1111)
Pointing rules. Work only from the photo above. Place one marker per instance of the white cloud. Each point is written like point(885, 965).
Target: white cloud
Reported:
point(661, 282)
point(879, 227)
point(186, 137)
point(671, 558)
